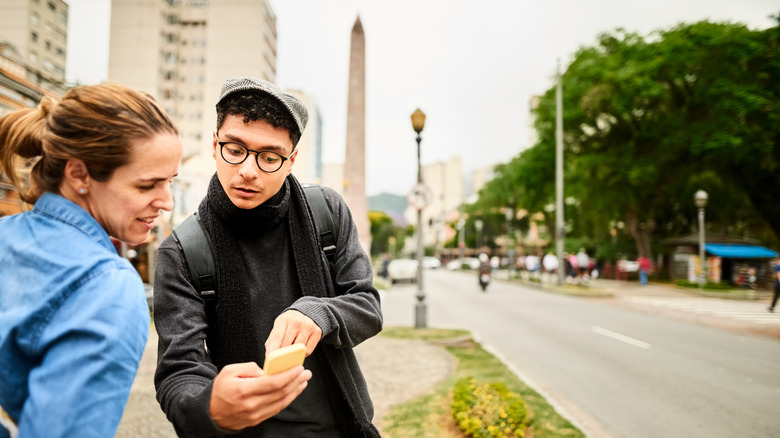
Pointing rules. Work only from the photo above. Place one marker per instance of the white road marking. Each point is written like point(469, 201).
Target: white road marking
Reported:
point(622, 338)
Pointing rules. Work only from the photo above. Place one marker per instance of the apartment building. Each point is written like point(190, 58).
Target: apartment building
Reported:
point(33, 41)
point(181, 51)
point(308, 163)
point(38, 30)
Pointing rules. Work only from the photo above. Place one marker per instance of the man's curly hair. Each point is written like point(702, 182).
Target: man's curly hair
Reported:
point(256, 105)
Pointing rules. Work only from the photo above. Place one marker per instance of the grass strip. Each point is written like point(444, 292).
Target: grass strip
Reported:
point(429, 415)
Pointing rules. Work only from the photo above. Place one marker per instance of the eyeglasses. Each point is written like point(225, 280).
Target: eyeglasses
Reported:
point(267, 161)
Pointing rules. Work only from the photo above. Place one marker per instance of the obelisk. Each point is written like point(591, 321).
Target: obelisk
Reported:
point(355, 160)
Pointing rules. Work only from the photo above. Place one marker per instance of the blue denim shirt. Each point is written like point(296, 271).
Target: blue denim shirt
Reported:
point(73, 323)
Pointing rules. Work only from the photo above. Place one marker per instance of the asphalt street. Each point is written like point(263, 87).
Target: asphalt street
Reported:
point(635, 369)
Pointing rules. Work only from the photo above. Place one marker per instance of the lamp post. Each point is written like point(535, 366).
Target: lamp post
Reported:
point(420, 309)
point(700, 198)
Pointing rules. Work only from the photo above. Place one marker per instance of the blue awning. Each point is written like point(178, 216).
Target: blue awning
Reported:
point(735, 251)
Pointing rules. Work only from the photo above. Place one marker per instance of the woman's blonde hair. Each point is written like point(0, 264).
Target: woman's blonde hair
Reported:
point(92, 123)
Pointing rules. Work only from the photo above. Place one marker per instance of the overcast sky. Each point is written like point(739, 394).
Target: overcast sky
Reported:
point(471, 65)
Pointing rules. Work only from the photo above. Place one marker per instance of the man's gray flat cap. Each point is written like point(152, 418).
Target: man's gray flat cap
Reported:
point(295, 107)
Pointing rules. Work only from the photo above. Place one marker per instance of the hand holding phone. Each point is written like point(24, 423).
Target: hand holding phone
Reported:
point(284, 358)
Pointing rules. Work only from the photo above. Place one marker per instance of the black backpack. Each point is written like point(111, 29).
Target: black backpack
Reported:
point(195, 244)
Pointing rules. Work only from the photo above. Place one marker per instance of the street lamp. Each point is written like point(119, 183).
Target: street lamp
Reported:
point(420, 309)
point(700, 198)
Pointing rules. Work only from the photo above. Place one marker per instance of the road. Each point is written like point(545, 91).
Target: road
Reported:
point(616, 371)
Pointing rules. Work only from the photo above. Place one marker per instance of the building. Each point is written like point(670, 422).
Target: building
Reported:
point(38, 30)
point(20, 87)
point(447, 187)
point(181, 52)
point(308, 162)
point(728, 259)
point(33, 39)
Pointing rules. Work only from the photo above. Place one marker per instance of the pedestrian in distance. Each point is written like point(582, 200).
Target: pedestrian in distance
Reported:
point(275, 287)
point(777, 286)
point(644, 268)
point(550, 263)
point(73, 314)
point(583, 261)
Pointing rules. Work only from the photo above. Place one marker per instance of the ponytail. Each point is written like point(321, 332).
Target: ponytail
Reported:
point(21, 144)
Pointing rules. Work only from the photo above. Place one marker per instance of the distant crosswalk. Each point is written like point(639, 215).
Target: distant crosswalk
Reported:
point(752, 311)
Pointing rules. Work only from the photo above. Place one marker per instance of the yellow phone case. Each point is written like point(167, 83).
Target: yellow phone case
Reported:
point(284, 358)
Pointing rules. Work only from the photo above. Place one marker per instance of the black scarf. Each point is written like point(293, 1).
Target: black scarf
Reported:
point(235, 340)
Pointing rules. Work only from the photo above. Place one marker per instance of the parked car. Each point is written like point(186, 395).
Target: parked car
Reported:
point(457, 264)
point(402, 270)
point(431, 263)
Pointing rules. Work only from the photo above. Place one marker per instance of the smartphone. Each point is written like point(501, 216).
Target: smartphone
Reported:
point(284, 358)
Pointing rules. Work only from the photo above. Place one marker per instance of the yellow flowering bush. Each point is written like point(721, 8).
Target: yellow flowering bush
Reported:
point(488, 410)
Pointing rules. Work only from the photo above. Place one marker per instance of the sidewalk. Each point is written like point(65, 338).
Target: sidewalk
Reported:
point(740, 311)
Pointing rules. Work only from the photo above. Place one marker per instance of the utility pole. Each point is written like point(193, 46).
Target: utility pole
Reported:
point(560, 231)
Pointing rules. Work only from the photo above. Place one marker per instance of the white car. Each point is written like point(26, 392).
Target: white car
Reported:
point(402, 270)
point(431, 263)
point(457, 264)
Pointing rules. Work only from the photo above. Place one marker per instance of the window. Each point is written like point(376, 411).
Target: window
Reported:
point(52, 7)
point(34, 37)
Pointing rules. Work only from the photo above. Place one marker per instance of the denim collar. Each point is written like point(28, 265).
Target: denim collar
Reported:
point(59, 208)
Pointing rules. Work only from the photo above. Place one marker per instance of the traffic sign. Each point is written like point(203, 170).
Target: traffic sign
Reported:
point(420, 196)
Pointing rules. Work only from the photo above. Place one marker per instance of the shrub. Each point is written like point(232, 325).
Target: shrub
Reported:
point(707, 286)
point(488, 410)
point(686, 283)
point(717, 286)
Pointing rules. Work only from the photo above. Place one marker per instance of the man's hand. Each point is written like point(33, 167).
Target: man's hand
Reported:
point(242, 396)
point(291, 327)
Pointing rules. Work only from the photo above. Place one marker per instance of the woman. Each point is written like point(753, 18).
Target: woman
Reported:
point(73, 314)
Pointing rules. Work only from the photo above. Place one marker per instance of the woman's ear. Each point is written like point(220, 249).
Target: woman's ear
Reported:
point(76, 176)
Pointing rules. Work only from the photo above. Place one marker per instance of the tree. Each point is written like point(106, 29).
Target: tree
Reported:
point(645, 118)
point(647, 122)
point(383, 230)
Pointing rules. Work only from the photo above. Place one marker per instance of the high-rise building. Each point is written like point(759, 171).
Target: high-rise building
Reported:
point(308, 162)
point(38, 30)
point(33, 42)
point(181, 52)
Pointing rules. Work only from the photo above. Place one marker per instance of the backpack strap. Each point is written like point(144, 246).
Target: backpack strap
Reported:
point(323, 219)
point(195, 244)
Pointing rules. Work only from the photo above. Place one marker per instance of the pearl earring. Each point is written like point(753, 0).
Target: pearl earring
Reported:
point(82, 191)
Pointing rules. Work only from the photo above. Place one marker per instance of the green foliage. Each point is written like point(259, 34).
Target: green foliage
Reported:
point(385, 235)
point(483, 410)
point(648, 121)
point(686, 283)
point(718, 287)
point(430, 415)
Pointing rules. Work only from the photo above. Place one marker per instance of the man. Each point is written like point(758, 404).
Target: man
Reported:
point(777, 285)
point(644, 268)
point(274, 288)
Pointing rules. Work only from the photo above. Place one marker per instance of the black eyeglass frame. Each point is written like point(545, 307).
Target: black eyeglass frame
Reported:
point(257, 155)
